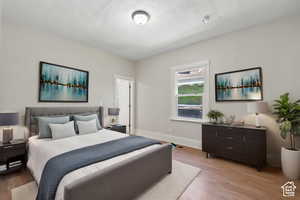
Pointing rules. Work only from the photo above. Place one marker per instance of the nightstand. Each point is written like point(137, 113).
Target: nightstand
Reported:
point(117, 127)
point(12, 156)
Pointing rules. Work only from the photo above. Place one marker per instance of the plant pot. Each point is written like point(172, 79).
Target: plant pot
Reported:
point(213, 121)
point(290, 163)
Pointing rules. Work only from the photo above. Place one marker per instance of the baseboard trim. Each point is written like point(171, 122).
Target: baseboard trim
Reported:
point(170, 138)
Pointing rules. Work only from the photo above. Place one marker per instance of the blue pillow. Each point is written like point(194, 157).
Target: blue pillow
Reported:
point(88, 118)
point(44, 129)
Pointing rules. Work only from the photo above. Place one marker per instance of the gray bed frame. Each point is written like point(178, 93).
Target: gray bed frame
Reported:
point(122, 181)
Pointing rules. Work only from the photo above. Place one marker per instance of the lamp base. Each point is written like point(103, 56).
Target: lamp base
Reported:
point(7, 135)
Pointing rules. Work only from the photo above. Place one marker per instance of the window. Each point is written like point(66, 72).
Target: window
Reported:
point(191, 92)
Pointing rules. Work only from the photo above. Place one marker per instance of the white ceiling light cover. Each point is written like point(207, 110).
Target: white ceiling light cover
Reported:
point(140, 17)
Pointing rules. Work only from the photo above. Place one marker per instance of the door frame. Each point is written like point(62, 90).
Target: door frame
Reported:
point(132, 99)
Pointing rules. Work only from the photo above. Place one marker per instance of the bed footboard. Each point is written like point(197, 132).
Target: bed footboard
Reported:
point(125, 180)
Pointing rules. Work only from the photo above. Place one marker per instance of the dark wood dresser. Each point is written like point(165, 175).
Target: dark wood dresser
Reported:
point(245, 144)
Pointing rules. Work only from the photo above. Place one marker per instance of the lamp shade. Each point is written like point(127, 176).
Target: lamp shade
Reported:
point(113, 111)
point(9, 119)
point(257, 107)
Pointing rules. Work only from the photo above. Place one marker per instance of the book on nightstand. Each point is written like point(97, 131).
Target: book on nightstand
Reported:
point(15, 164)
point(3, 168)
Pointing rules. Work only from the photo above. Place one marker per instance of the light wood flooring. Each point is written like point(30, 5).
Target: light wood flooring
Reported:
point(218, 180)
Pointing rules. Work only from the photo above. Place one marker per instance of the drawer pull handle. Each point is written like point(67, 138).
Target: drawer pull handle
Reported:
point(229, 148)
point(229, 138)
point(8, 147)
point(244, 138)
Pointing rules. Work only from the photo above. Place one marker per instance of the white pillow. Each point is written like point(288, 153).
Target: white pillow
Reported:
point(85, 127)
point(62, 130)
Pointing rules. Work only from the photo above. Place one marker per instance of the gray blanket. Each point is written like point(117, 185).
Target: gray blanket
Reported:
point(57, 167)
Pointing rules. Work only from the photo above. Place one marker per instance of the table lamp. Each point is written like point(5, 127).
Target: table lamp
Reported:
point(113, 112)
point(8, 119)
point(257, 108)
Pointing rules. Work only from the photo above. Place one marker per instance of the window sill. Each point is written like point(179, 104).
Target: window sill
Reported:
point(182, 119)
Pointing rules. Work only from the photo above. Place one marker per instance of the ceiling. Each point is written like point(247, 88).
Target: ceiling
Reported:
point(107, 24)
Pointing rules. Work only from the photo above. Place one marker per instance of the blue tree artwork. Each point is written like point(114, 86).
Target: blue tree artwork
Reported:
point(62, 84)
point(242, 85)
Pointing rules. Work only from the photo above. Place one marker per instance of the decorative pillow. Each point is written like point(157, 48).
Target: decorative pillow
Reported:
point(88, 118)
point(85, 127)
point(62, 130)
point(43, 122)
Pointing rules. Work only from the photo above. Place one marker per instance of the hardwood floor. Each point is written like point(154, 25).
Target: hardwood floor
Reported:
point(226, 180)
point(218, 180)
point(13, 180)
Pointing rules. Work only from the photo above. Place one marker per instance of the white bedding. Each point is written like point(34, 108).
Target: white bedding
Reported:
point(41, 150)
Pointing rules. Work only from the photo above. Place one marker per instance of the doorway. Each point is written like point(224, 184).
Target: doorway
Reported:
point(124, 101)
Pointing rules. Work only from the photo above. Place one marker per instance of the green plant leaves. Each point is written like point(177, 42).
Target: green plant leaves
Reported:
point(288, 115)
point(215, 114)
point(285, 128)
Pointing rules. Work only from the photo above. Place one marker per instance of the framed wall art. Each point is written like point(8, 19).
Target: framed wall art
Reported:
point(241, 85)
point(62, 84)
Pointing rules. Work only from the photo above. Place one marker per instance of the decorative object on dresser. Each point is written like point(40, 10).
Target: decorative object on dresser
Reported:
point(63, 84)
point(8, 119)
point(257, 108)
point(288, 114)
point(241, 85)
point(117, 127)
point(215, 116)
point(12, 156)
point(230, 119)
point(245, 144)
point(114, 112)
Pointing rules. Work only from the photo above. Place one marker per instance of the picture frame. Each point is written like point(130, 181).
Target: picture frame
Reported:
point(239, 85)
point(58, 83)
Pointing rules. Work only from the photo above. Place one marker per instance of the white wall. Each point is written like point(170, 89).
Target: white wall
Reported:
point(275, 47)
point(19, 75)
point(1, 12)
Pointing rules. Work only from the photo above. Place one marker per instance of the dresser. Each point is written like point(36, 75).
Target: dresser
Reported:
point(244, 144)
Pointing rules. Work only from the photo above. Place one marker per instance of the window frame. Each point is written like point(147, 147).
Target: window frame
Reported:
point(205, 95)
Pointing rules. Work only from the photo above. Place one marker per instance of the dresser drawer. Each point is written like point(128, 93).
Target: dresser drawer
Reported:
point(2, 157)
point(209, 138)
point(230, 146)
point(10, 151)
point(232, 150)
point(254, 135)
point(230, 134)
point(209, 131)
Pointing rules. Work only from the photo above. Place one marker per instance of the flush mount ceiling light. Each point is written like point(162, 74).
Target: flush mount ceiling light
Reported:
point(206, 19)
point(140, 17)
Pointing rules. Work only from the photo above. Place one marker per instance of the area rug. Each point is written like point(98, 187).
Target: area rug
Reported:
point(168, 188)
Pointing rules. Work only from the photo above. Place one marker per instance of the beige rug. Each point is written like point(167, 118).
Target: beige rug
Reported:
point(175, 184)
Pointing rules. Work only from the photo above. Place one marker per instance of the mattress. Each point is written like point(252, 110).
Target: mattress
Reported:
point(41, 150)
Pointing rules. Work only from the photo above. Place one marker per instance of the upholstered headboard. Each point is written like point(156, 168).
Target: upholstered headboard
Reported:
point(32, 112)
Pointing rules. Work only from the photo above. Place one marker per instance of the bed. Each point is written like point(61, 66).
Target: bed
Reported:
point(122, 177)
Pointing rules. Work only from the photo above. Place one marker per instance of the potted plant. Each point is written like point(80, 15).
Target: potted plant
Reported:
point(215, 116)
point(288, 113)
